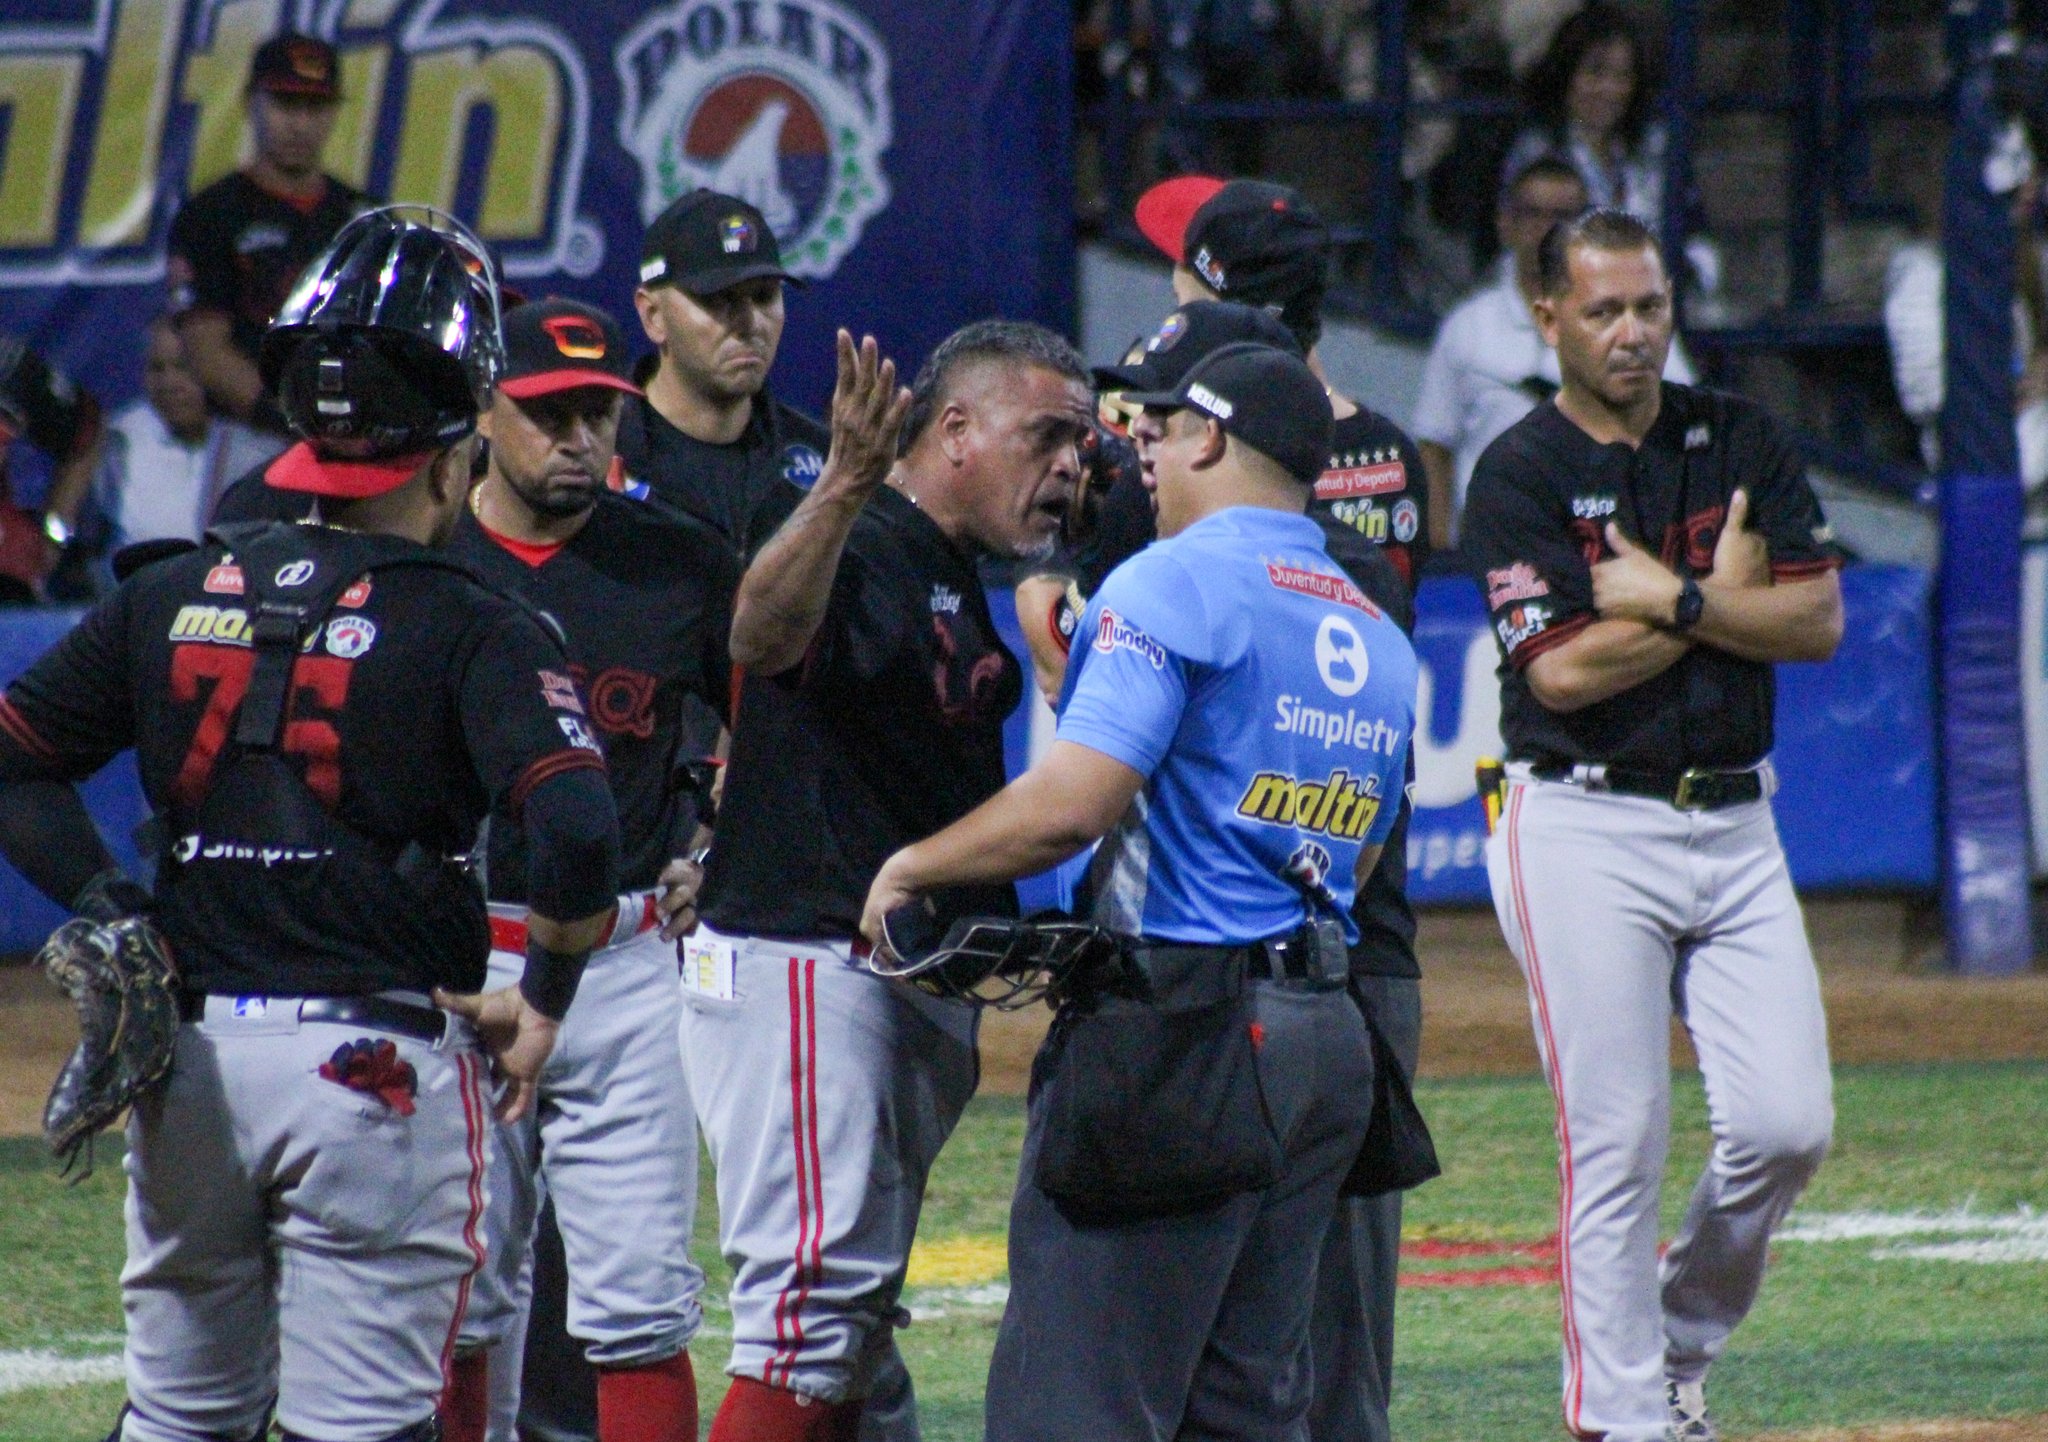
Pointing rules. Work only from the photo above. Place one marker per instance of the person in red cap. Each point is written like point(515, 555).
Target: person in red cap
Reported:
point(644, 598)
point(322, 716)
point(1262, 245)
point(237, 246)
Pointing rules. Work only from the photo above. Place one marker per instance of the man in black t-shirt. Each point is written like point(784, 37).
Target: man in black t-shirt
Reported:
point(237, 246)
point(322, 715)
point(709, 439)
point(1647, 551)
point(644, 599)
point(870, 711)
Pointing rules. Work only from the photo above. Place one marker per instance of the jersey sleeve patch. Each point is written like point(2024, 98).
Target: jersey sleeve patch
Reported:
point(1528, 630)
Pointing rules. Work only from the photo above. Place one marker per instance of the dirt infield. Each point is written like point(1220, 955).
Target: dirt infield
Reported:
point(1886, 1000)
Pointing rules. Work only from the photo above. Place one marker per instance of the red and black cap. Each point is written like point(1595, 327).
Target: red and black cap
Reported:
point(1248, 240)
point(1265, 397)
point(706, 242)
point(557, 345)
point(301, 468)
point(295, 64)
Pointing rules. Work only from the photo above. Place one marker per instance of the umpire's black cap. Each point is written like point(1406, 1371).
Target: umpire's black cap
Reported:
point(706, 242)
point(1195, 330)
point(1264, 397)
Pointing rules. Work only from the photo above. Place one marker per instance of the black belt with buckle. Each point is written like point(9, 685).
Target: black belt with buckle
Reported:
point(1293, 957)
point(377, 1013)
point(1697, 788)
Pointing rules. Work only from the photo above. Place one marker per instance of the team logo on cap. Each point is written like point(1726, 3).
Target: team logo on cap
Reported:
point(1169, 335)
point(788, 110)
point(577, 337)
point(309, 62)
point(1208, 268)
point(736, 236)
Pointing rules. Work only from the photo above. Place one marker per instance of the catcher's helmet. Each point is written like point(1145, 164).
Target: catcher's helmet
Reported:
point(389, 343)
point(993, 961)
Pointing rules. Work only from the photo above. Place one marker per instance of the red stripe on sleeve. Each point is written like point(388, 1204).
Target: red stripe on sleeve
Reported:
point(1803, 570)
point(573, 758)
point(24, 735)
point(1543, 641)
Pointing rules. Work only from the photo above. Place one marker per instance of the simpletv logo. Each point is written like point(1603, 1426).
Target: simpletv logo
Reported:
point(112, 119)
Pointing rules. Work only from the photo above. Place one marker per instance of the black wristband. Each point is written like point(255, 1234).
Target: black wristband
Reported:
point(549, 984)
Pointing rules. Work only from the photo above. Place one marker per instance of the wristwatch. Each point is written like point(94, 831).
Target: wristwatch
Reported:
point(56, 529)
point(1691, 602)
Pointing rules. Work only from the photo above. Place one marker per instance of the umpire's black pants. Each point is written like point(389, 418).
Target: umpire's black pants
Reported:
point(1194, 1325)
point(1352, 1334)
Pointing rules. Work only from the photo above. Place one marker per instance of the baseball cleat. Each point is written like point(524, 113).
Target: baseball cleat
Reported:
point(1689, 1420)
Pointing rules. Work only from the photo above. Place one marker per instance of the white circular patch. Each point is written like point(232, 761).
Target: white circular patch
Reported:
point(349, 636)
point(1407, 521)
point(1340, 656)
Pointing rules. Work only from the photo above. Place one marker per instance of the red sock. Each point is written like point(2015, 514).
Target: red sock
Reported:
point(466, 1405)
point(654, 1403)
point(756, 1412)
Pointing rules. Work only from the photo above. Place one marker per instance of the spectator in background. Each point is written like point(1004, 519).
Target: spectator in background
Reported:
point(1914, 319)
point(238, 245)
point(1590, 100)
point(1489, 366)
point(42, 407)
point(1216, 50)
point(168, 459)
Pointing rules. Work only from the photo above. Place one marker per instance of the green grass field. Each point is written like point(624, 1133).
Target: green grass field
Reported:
point(1931, 1305)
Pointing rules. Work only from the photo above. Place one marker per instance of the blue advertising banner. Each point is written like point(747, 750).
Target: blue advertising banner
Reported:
point(914, 171)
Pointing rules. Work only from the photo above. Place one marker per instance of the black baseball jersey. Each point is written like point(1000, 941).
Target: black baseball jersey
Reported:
point(1375, 485)
point(423, 700)
point(237, 248)
point(644, 598)
point(744, 489)
point(889, 729)
point(1535, 524)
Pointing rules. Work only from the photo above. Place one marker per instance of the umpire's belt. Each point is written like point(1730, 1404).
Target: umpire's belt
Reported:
point(374, 1013)
point(1172, 967)
point(1697, 788)
point(636, 915)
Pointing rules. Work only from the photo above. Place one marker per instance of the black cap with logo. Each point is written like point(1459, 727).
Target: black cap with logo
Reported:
point(557, 345)
point(1249, 240)
point(706, 242)
point(1185, 337)
point(1264, 397)
point(294, 64)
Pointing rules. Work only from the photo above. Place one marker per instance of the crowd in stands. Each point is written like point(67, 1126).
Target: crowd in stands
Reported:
point(75, 486)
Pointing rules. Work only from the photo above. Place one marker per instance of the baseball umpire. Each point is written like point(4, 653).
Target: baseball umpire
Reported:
point(1647, 551)
point(644, 597)
point(323, 714)
point(1353, 1327)
point(1192, 1119)
point(871, 712)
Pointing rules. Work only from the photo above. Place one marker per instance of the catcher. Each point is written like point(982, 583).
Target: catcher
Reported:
point(322, 716)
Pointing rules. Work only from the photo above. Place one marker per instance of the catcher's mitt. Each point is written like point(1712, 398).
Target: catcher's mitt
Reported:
point(120, 976)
